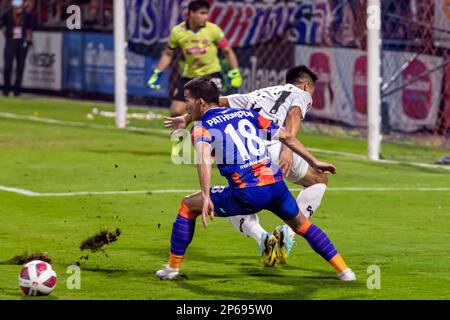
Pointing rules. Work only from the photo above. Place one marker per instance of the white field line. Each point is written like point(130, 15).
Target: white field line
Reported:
point(30, 193)
point(339, 153)
point(359, 156)
point(149, 130)
point(78, 124)
point(19, 191)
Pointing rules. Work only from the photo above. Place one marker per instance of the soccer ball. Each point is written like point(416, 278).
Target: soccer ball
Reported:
point(37, 278)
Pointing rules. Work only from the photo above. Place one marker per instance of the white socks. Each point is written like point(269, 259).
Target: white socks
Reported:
point(248, 225)
point(310, 198)
point(308, 201)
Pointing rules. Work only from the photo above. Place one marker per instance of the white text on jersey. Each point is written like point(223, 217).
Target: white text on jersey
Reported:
point(229, 116)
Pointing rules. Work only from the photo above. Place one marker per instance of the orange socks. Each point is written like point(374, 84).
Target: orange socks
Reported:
point(319, 241)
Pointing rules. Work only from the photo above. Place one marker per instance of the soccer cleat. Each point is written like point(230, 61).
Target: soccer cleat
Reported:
point(347, 275)
point(167, 273)
point(268, 250)
point(284, 243)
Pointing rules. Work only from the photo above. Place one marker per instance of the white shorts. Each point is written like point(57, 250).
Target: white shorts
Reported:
point(299, 166)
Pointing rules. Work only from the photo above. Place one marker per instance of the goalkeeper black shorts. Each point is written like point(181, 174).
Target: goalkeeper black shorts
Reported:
point(179, 93)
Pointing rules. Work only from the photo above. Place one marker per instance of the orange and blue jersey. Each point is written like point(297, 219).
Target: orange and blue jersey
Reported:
point(235, 136)
point(237, 139)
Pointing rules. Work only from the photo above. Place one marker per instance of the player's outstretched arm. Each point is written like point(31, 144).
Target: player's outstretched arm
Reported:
point(181, 122)
point(177, 123)
point(234, 74)
point(291, 142)
point(164, 62)
point(166, 59)
point(204, 174)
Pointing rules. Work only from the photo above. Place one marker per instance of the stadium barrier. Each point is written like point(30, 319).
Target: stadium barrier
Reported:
point(83, 62)
point(44, 62)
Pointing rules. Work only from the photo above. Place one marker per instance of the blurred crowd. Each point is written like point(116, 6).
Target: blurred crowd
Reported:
point(95, 14)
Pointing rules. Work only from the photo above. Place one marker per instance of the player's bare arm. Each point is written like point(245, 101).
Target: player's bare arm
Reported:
point(295, 145)
point(234, 73)
point(230, 56)
point(181, 122)
point(166, 59)
point(223, 101)
point(164, 62)
point(292, 125)
point(204, 174)
point(177, 123)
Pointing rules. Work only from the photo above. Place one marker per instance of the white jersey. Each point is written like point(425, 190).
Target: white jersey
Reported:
point(274, 102)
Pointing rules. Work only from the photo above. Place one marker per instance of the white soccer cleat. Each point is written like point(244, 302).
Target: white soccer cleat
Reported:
point(167, 273)
point(284, 243)
point(347, 275)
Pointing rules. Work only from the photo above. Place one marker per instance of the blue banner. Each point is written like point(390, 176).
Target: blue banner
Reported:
point(88, 64)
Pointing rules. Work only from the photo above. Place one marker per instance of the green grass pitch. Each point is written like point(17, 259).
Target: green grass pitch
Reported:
point(403, 232)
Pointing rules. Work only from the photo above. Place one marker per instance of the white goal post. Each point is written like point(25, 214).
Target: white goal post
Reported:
point(120, 75)
point(373, 79)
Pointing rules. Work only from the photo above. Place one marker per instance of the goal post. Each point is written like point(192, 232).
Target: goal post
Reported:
point(120, 78)
point(373, 78)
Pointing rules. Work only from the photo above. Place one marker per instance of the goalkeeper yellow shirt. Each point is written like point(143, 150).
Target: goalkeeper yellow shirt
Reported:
point(199, 48)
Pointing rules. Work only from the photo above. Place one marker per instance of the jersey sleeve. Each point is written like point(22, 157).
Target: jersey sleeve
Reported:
point(269, 128)
point(302, 101)
point(266, 124)
point(200, 134)
point(173, 38)
point(240, 101)
point(219, 37)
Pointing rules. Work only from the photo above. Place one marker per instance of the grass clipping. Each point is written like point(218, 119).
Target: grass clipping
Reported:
point(94, 244)
point(98, 241)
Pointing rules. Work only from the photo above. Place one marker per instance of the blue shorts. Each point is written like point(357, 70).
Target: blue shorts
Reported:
point(275, 197)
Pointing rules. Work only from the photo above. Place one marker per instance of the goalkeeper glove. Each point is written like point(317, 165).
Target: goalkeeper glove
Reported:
point(235, 77)
point(153, 82)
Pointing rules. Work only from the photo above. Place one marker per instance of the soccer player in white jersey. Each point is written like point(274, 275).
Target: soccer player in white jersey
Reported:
point(286, 105)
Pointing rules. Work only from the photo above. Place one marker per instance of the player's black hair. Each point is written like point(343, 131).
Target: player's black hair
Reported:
point(203, 88)
point(198, 4)
point(300, 74)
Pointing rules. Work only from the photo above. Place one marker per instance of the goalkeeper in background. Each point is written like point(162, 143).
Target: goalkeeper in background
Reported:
point(199, 41)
